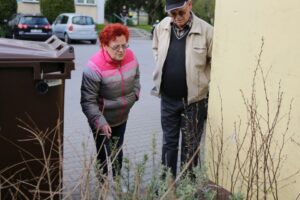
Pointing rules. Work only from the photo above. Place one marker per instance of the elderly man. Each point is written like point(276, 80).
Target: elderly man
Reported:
point(182, 46)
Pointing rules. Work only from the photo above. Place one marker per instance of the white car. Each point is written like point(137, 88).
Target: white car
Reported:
point(72, 26)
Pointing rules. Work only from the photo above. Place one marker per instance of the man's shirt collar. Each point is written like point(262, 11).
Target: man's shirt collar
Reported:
point(182, 32)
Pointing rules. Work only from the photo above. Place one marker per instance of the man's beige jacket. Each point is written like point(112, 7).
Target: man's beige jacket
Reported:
point(198, 56)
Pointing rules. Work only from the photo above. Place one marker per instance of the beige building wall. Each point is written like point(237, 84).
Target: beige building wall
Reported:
point(87, 10)
point(239, 29)
point(29, 8)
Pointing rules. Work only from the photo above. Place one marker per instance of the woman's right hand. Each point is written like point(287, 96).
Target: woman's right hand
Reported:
point(106, 130)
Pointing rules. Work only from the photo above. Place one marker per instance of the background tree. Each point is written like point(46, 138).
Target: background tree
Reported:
point(155, 10)
point(205, 9)
point(7, 9)
point(112, 8)
point(137, 6)
point(52, 8)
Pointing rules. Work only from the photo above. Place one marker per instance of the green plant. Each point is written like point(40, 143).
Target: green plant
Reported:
point(127, 170)
point(205, 9)
point(7, 9)
point(52, 8)
point(187, 188)
point(99, 27)
point(145, 27)
point(3, 30)
point(155, 10)
point(99, 186)
point(210, 195)
point(237, 196)
point(140, 169)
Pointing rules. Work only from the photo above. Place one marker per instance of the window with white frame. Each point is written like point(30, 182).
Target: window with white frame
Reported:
point(86, 1)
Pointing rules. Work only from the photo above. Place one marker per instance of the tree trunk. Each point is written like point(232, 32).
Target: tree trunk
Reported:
point(138, 16)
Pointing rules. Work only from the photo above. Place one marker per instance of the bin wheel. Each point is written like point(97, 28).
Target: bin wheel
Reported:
point(67, 39)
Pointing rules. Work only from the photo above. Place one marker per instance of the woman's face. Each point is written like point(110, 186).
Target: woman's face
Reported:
point(116, 48)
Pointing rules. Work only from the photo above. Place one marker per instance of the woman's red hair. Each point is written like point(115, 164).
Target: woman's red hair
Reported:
point(111, 31)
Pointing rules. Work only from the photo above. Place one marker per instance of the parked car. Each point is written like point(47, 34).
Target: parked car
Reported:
point(72, 26)
point(29, 26)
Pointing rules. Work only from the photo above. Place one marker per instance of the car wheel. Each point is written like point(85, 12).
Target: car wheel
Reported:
point(67, 39)
point(93, 41)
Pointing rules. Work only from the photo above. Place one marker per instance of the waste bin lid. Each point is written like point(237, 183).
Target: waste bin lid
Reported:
point(19, 50)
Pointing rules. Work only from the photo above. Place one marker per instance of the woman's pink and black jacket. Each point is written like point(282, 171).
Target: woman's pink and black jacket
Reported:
point(109, 89)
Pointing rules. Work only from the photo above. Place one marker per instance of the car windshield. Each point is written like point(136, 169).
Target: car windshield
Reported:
point(30, 20)
point(82, 20)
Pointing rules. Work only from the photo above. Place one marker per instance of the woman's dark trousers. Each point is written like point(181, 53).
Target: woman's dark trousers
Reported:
point(111, 148)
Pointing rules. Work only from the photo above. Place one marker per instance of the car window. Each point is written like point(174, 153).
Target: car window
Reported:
point(64, 19)
point(82, 20)
point(14, 19)
point(58, 20)
point(14, 16)
point(32, 20)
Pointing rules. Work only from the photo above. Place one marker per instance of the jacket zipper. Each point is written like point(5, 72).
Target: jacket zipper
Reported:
point(123, 89)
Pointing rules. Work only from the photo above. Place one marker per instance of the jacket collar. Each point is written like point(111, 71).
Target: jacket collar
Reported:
point(196, 26)
point(108, 59)
point(195, 29)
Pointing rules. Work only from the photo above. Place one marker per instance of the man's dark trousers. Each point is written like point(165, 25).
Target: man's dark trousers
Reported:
point(176, 115)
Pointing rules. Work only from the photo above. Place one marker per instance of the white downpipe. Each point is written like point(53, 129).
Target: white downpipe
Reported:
point(100, 11)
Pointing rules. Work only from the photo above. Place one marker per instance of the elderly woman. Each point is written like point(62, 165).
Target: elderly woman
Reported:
point(110, 87)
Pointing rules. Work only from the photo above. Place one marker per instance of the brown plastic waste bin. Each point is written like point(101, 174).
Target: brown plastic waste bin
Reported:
point(32, 84)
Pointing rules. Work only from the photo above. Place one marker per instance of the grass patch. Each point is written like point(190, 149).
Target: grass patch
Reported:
point(145, 27)
point(99, 27)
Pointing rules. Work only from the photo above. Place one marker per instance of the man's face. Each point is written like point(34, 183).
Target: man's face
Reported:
point(181, 15)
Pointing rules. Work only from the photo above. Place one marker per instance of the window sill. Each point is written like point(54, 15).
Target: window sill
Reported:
point(28, 1)
point(86, 4)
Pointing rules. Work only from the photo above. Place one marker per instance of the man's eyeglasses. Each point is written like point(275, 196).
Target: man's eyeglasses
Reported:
point(118, 47)
point(174, 14)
